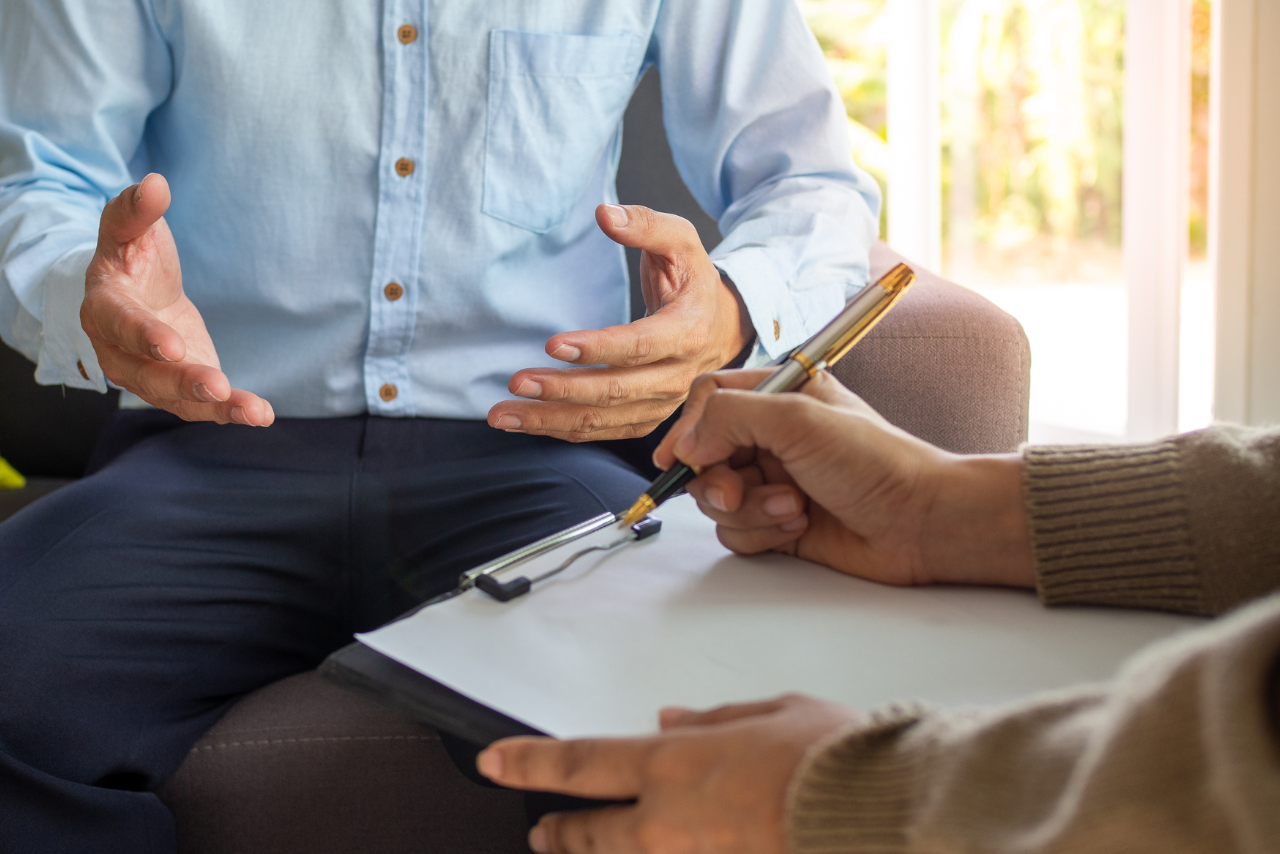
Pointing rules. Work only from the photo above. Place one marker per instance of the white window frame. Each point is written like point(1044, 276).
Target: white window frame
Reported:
point(1156, 157)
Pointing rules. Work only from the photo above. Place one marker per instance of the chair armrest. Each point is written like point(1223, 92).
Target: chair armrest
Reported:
point(945, 365)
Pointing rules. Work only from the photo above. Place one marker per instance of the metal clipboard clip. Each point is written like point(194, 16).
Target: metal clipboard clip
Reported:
point(485, 577)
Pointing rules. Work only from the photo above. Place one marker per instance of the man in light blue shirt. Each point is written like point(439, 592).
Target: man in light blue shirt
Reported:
point(393, 227)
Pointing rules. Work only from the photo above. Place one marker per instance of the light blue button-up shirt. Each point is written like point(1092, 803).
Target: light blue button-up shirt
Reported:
point(280, 124)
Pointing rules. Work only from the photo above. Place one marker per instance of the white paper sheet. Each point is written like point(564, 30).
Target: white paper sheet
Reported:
point(679, 620)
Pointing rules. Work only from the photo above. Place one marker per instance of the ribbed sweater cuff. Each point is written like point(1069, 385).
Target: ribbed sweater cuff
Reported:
point(854, 792)
point(1110, 526)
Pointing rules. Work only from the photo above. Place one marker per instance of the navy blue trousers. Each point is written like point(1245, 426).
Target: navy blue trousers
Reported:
point(198, 563)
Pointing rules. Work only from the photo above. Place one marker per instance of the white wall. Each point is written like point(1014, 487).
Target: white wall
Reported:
point(1245, 220)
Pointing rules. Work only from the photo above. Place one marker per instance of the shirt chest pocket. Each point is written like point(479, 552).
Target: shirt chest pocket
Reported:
point(555, 101)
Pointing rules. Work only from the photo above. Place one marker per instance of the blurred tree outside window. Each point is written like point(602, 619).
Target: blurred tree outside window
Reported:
point(1032, 103)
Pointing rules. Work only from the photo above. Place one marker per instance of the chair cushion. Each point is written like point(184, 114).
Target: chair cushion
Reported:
point(946, 365)
point(302, 766)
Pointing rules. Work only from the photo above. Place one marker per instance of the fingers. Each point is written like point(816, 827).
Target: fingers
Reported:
point(132, 213)
point(240, 407)
point(601, 386)
point(675, 716)
point(672, 333)
point(589, 768)
point(609, 830)
point(191, 391)
point(702, 388)
point(579, 423)
point(760, 507)
point(639, 227)
point(156, 380)
point(111, 316)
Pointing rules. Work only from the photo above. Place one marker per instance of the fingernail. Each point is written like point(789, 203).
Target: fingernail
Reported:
point(137, 193)
point(685, 445)
point(202, 392)
point(617, 215)
point(715, 497)
point(794, 526)
point(529, 388)
point(507, 422)
point(157, 353)
point(567, 353)
point(238, 416)
point(538, 840)
point(490, 764)
point(781, 505)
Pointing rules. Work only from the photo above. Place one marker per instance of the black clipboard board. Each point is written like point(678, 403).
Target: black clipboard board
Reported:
point(387, 682)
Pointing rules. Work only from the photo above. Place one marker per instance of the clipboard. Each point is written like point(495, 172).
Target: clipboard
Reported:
point(369, 673)
point(680, 620)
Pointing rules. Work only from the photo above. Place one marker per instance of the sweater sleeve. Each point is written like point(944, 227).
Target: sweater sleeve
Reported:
point(1184, 524)
point(1180, 754)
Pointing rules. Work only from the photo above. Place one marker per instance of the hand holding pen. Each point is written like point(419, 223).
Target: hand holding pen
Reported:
point(824, 349)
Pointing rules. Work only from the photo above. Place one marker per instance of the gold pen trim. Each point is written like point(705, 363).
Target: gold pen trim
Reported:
point(643, 507)
point(805, 362)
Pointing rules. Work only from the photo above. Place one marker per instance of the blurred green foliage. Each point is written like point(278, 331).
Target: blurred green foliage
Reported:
point(1032, 106)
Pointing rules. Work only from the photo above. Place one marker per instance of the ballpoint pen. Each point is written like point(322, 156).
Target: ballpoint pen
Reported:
point(821, 351)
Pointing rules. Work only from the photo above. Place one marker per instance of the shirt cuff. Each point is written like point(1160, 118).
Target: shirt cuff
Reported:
point(66, 356)
point(855, 791)
point(1110, 526)
point(781, 316)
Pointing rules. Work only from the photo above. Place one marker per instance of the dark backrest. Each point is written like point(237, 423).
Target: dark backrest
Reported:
point(47, 431)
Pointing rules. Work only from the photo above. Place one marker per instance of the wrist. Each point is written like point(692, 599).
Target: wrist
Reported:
point(735, 320)
point(977, 531)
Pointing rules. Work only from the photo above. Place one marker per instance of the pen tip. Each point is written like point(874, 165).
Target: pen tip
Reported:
point(643, 507)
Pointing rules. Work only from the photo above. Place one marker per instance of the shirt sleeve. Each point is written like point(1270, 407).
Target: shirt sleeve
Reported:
point(1178, 754)
point(760, 136)
point(78, 79)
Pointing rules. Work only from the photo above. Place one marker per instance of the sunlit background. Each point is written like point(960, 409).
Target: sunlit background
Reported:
point(1032, 106)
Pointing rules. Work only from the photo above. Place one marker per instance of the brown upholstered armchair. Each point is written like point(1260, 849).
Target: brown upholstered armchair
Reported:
point(301, 766)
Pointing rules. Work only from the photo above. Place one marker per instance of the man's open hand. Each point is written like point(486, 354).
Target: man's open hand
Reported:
point(696, 323)
point(148, 336)
point(710, 782)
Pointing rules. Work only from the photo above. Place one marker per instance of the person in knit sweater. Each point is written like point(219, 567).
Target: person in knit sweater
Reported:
point(1179, 753)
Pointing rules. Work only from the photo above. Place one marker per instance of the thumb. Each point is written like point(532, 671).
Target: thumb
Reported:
point(132, 213)
point(639, 227)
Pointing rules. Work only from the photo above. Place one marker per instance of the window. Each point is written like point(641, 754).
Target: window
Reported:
point(1001, 133)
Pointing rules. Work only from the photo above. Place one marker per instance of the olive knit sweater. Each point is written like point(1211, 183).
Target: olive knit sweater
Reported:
point(1180, 753)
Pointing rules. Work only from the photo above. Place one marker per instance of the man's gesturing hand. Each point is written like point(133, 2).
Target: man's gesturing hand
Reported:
point(148, 336)
point(696, 323)
point(711, 782)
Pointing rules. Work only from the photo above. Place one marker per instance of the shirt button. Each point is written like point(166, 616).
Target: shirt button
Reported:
point(404, 167)
point(388, 392)
point(393, 291)
point(408, 34)
point(777, 330)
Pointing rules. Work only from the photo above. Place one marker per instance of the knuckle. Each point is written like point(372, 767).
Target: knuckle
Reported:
point(569, 760)
point(615, 391)
point(640, 351)
point(589, 420)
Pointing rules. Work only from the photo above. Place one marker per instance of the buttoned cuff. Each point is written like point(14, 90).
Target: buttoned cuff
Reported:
point(66, 356)
point(782, 317)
